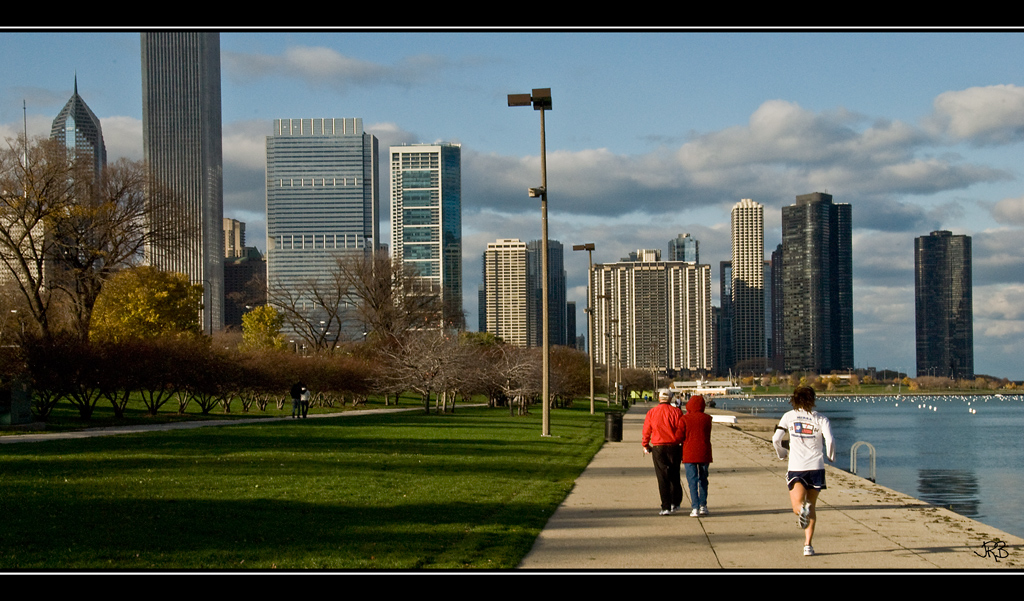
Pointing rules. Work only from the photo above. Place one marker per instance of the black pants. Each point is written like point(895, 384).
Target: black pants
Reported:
point(667, 459)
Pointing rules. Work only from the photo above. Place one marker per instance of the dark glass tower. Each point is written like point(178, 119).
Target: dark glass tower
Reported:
point(817, 285)
point(181, 133)
point(556, 293)
point(944, 305)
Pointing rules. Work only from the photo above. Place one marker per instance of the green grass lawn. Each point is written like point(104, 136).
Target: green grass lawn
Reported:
point(400, 491)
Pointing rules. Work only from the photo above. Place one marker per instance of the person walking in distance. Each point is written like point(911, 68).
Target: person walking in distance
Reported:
point(697, 454)
point(662, 436)
point(810, 443)
point(297, 389)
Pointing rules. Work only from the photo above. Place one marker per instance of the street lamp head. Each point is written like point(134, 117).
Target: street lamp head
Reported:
point(537, 192)
point(587, 246)
point(519, 100)
point(540, 99)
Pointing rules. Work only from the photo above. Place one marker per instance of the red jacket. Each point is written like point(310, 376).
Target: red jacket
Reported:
point(697, 445)
point(663, 425)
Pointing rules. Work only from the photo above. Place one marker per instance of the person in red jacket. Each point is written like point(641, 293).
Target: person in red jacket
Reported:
point(697, 454)
point(663, 434)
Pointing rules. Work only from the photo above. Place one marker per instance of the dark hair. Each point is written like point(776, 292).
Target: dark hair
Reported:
point(803, 398)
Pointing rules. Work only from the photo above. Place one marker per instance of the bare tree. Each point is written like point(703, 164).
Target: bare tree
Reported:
point(319, 310)
point(389, 299)
point(66, 231)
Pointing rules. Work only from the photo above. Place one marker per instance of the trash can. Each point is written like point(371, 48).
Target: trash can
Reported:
point(613, 426)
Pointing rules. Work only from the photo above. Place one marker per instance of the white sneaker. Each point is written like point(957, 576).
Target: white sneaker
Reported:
point(665, 512)
point(804, 517)
point(808, 550)
point(694, 513)
point(702, 510)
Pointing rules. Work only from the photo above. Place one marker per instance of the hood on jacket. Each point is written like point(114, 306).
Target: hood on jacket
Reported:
point(695, 404)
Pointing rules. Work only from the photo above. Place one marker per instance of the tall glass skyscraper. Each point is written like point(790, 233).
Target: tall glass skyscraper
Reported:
point(78, 128)
point(181, 133)
point(322, 199)
point(817, 285)
point(944, 305)
point(426, 220)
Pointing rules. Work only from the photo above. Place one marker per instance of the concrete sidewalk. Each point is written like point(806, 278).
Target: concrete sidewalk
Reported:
point(610, 519)
point(185, 425)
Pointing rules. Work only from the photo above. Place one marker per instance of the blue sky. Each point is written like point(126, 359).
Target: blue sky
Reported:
point(653, 133)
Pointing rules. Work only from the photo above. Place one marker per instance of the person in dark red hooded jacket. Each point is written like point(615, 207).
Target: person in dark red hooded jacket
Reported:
point(697, 454)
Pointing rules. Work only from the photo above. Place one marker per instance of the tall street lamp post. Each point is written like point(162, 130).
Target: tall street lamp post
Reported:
point(589, 247)
point(540, 98)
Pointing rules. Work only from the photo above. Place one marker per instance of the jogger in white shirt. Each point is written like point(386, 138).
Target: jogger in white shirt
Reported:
point(810, 443)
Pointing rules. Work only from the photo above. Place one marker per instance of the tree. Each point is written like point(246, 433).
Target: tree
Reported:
point(261, 330)
point(66, 231)
point(145, 302)
point(317, 310)
point(389, 298)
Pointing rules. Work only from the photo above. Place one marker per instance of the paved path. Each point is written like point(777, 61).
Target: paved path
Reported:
point(610, 519)
point(189, 425)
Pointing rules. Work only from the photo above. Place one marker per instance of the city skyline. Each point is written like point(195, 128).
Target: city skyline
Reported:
point(917, 131)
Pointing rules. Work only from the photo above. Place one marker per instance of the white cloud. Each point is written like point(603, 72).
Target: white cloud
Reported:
point(1009, 210)
point(980, 115)
point(321, 67)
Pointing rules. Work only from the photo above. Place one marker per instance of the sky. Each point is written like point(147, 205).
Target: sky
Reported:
point(652, 133)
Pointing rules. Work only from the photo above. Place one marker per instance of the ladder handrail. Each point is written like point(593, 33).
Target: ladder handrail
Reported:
point(853, 457)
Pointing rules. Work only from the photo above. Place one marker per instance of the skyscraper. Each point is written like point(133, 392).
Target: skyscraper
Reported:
point(748, 328)
point(181, 132)
point(944, 305)
point(656, 313)
point(725, 357)
point(817, 285)
point(684, 248)
point(78, 128)
point(322, 199)
point(556, 293)
point(506, 291)
point(234, 238)
point(426, 219)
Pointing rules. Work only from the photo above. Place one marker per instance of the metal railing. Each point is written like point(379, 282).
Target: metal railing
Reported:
point(853, 457)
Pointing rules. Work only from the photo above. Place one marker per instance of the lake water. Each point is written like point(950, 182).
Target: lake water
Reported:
point(965, 453)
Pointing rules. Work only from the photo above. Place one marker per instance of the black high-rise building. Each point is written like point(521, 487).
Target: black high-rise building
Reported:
point(817, 285)
point(556, 293)
point(944, 305)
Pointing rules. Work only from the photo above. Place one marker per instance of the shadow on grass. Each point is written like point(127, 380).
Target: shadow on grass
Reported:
point(390, 492)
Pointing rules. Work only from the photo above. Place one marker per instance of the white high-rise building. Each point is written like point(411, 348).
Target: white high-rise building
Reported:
point(506, 290)
point(426, 220)
point(748, 326)
point(653, 313)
